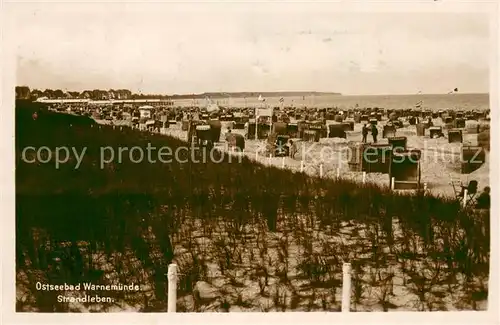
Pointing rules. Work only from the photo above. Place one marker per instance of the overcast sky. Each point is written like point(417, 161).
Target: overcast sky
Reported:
point(166, 49)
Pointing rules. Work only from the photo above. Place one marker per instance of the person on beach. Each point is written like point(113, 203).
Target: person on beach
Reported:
point(374, 133)
point(364, 132)
point(483, 200)
point(292, 149)
point(230, 139)
point(228, 134)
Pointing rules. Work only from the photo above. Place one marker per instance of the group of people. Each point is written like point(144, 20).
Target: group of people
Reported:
point(369, 128)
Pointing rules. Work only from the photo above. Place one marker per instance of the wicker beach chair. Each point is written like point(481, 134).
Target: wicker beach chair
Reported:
point(459, 189)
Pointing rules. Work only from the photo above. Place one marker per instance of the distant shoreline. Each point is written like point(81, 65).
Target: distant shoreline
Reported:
point(285, 94)
point(423, 94)
point(252, 94)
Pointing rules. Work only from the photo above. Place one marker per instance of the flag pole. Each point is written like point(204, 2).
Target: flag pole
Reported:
point(421, 105)
point(270, 120)
point(256, 126)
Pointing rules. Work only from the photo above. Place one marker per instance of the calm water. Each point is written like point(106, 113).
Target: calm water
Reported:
point(434, 102)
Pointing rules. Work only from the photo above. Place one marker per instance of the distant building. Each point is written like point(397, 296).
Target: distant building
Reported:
point(23, 92)
point(150, 102)
point(62, 101)
point(87, 94)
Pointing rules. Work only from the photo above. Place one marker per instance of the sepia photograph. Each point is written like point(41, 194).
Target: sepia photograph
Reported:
point(228, 157)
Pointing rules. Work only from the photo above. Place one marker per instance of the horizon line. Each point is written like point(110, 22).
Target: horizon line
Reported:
point(268, 91)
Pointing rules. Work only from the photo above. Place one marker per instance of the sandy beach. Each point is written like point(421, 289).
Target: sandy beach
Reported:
point(440, 163)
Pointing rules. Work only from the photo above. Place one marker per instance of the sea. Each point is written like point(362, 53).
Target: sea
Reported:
point(433, 102)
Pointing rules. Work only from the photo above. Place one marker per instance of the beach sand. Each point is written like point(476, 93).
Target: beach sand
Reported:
point(440, 163)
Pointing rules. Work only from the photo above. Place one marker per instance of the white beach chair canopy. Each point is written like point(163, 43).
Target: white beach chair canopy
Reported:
point(212, 108)
point(203, 127)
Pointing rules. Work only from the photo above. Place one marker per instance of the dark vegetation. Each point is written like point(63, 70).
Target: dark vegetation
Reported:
point(24, 92)
point(258, 237)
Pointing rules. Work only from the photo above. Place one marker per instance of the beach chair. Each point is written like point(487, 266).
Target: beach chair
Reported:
point(204, 136)
point(435, 132)
point(472, 158)
point(455, 136)
point(460, 188)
